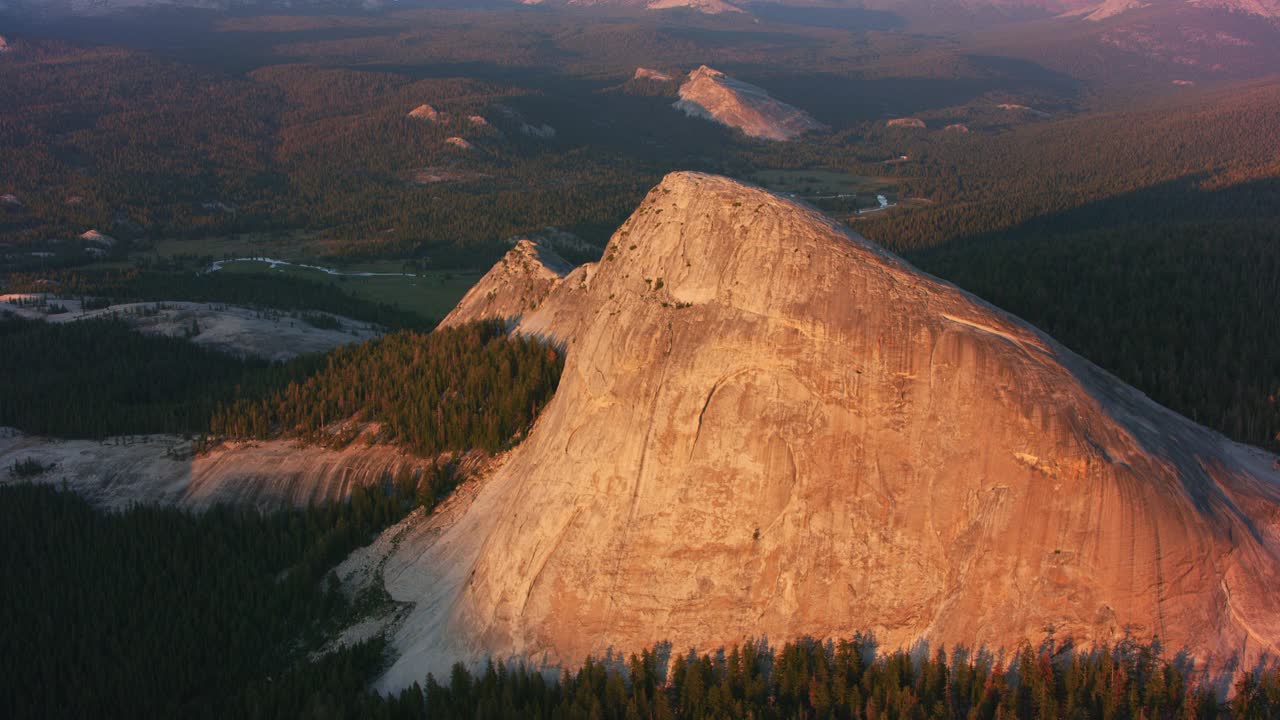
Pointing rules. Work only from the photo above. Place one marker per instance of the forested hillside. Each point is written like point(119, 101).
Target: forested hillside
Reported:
point(96, 378)
point(845, 679)
point(160, 613)
point(453, 389)
point(1210, 156)
point(232, 153)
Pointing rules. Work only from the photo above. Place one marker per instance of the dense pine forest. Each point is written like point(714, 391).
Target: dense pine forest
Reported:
point(96, 378)
point(235, 153)
point(453, 389)
point(847, 679)
point(157, 612)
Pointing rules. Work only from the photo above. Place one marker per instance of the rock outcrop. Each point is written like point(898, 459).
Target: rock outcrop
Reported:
point(768, 426)
point(562, 242)
point(706, 7)
point(164, 470)
point(516, 285)
point(427, 113)
point(1014, 107)
point(643, 73)
point(1111, 8)
point(243, 331)
point(543, 131)
point(712, 95)
point(97, 238)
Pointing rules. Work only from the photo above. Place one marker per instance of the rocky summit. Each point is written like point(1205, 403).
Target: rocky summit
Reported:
point(516, 285)
point(768, 426)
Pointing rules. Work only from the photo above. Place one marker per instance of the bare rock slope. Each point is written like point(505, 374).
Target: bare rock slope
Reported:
point(427, 113)
point(715, 96)
point(119, 472)
point(643, 73)
point(227, 328)
point(767, 426)
point(520, 281)
point(706, 7)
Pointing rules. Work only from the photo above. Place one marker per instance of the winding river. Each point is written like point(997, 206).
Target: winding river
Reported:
point(217, 265)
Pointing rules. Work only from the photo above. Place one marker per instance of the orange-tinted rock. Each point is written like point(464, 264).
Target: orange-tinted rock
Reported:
point(515, 286)
point(717, 97)
point(768, 426)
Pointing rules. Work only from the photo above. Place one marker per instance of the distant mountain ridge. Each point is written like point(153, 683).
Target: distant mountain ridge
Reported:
point(1014, 9)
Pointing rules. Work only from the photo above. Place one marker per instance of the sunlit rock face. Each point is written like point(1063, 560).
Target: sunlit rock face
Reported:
point(715, 96)
point(767, 426)
point(519, 283)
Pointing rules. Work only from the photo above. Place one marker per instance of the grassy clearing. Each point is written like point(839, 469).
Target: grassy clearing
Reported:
point(293, 246)
point(430, 294)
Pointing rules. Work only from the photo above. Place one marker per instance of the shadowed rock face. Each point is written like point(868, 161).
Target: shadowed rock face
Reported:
point(715, 96)
point(768, 426)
